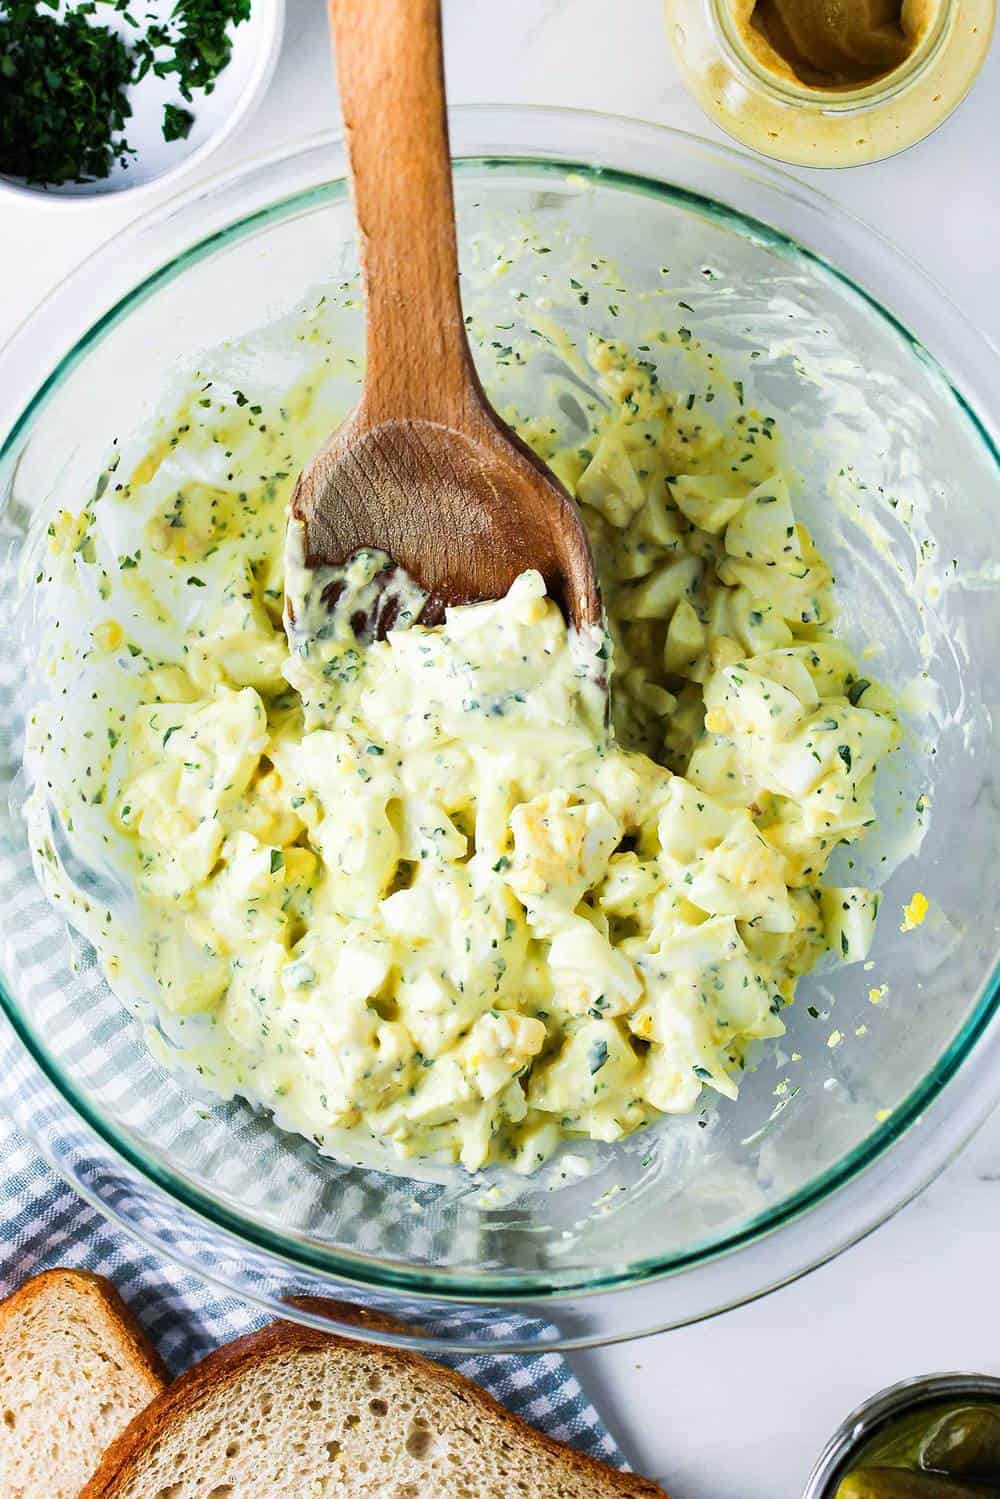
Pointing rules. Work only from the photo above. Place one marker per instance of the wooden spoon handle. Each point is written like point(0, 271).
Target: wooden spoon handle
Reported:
point(390, 69)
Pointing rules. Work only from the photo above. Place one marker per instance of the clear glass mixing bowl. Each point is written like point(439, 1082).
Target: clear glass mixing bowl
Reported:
point(887, 397)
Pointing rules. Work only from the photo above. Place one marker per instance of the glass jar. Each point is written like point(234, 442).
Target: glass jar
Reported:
point(750, 86)
point(855, 1434)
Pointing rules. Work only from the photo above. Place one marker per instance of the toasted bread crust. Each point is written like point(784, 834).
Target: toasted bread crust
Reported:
point(134, 1345)
point(74, 1366)
point(225, 1366)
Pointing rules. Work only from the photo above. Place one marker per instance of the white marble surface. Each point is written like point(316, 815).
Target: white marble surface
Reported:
point(735, 1408)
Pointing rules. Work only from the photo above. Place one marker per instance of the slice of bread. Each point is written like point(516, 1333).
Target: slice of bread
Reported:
point(293, 1413)
point(75, 1367)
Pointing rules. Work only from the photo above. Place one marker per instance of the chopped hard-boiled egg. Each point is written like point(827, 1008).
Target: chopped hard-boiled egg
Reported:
point(416, 890)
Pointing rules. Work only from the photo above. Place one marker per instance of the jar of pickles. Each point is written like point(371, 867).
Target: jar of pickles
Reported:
point(829, 82)
point(936, 1437)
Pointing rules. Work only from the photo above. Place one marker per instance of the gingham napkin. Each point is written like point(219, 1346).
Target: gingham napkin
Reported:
point(43, 1223)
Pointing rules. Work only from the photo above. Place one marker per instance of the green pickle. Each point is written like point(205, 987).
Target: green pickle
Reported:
point(900, 1483)
point(965, 1443)
point(934, 1452)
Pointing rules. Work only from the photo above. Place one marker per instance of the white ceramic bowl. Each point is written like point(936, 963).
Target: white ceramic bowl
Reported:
point(238, 90)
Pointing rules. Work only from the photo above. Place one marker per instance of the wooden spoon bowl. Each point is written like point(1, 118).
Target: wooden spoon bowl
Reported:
point(423, 468)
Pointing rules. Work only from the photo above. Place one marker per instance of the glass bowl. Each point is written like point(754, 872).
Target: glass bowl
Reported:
point(887, 398)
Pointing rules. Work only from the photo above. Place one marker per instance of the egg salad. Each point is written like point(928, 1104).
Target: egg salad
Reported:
point(425, 891)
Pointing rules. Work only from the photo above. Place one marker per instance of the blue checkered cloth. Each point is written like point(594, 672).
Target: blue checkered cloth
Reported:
point(43, 1223)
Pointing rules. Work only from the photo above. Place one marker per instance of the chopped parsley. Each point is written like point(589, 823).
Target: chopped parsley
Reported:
point(63, 104)
point(177, 127)
point(598, 1056)
point(65, 80)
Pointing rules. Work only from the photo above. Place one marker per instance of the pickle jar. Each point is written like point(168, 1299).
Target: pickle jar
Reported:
point(911, 1408)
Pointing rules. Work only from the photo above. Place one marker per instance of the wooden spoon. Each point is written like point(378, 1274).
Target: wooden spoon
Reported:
point(423, 468)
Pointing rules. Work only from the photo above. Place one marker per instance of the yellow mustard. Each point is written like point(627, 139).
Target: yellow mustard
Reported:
point(829, 82)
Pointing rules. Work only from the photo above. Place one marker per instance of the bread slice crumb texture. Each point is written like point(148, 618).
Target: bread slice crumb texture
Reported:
point(293, 1412)
point(74, 1369)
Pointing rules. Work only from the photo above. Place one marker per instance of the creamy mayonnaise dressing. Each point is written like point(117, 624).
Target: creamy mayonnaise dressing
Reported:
point(417, 891)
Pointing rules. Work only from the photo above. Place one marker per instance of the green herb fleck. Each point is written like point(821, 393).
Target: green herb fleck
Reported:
point(598, 1056)
point(177, 127)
